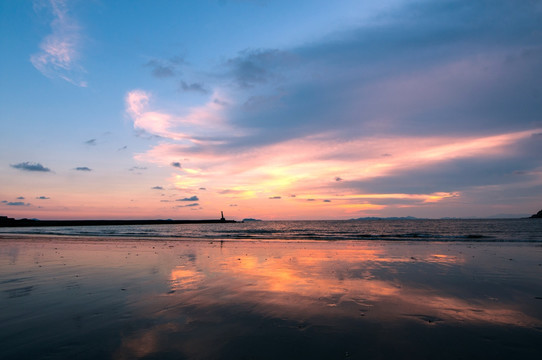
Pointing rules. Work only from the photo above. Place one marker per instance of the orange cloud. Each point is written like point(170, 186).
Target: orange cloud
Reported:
point(305, 166)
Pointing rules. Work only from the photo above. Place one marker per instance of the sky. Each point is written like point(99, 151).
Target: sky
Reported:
point(270, 109)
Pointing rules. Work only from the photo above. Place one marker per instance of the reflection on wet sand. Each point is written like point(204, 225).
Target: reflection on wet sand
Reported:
point(317, 277)
point(269, 300)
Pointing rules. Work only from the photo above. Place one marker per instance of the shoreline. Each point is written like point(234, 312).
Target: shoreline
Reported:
point(37, 237)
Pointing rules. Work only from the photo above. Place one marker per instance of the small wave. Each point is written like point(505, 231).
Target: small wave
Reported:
point(438, 231)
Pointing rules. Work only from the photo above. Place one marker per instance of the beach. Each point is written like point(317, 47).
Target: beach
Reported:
point(66, 297)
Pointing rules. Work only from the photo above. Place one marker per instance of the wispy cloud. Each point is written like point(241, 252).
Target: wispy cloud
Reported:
point(31, 166)
point(157, 188)
point(137, 168)
point(83, 168)
point(91, 142)
point(43, 198)
point(59, 51)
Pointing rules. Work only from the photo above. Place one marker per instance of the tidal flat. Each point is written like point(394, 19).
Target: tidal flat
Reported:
point(66, 297)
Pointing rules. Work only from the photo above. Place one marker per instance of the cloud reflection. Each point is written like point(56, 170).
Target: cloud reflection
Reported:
point(235, 295)
point(302, 281)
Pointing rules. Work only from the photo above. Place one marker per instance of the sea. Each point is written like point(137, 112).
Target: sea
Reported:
point(441, 230)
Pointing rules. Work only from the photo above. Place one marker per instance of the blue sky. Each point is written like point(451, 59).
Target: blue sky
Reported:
point(270, 109)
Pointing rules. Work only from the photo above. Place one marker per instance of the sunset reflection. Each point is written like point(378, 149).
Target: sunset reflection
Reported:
point(235, 299)
point(303, 279)
point(182, 278)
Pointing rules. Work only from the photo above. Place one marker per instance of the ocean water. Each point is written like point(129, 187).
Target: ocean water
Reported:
point(456, 230)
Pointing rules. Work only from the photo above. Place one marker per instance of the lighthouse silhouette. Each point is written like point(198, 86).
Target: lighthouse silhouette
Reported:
point(222, 216)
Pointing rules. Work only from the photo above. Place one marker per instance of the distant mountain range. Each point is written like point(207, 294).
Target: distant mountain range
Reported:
point(388, 218)
point(498, 216)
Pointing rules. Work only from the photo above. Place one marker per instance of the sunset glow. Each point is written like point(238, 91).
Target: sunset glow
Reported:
point(314, 110)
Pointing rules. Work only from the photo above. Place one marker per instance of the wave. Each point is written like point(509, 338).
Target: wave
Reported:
point(441, 231)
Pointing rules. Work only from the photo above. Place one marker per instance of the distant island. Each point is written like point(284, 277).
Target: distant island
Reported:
point(11, 222)
point(538, 215)
point(251, 219)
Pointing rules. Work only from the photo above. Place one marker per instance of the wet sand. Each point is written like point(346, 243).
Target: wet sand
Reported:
point(98, 298)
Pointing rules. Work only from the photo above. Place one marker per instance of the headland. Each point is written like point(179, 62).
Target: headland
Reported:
point(11, 222)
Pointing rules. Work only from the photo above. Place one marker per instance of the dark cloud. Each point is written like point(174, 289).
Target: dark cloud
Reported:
point(20, 198)
point(30, 166)
point(83, 168)
point(42, 197)
point(195, 87)
point(188, 205)
point(192, 198)
point(233, 205)
point(15, 203)
point(160, 69)
point(123, 148)
point(256, 66)
point(338, 179)
point(91, 142)
point(202, 188)
point(326, 201)
point(428, 68)
point(275, 197)
point(176, 164)
point(163, 71)
point(449, 176)
point(157, 188)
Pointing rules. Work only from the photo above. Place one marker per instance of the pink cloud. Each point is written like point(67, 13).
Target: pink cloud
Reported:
point(214, 157)
point(308, 167)
point(199, 125)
